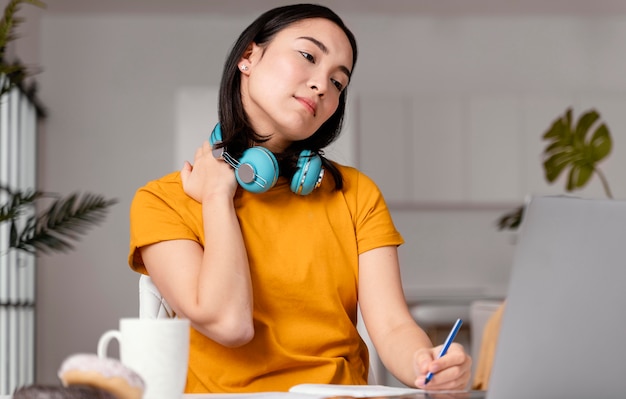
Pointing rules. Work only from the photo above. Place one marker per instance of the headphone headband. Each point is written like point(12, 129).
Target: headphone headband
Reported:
point(257, 169)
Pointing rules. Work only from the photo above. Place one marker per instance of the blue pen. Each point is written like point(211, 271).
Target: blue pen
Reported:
point(446, 345)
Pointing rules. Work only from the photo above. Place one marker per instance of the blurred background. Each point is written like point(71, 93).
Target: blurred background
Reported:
point(447, 108)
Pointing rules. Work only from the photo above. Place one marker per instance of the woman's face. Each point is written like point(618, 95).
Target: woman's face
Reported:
point(292, 85)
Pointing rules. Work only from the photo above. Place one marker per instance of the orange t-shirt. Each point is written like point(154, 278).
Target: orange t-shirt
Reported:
point(303, 257)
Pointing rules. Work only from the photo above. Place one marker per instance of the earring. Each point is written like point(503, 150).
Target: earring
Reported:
point(244, 67)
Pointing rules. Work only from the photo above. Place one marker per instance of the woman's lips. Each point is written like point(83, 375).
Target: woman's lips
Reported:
point(308, 104)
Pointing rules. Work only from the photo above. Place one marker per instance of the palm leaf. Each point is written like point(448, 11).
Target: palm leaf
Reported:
point(15, 72)
point(18, 201)
point(10, 21)
point(65, 220)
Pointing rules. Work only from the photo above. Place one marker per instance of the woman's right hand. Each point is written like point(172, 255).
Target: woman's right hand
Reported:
point(208, 282)
point(207, 176)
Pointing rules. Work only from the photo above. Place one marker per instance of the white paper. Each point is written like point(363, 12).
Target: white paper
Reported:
point(356, 391)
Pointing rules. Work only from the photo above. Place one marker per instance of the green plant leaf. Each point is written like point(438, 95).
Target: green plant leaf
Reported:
point(601, 144)
point(558, 129)
point(17, 203)
point(65, 220)
point(13, 74)
point(570, 147)
point(10, 21)
point(511, 220)
point(584, 124)
point(555, 164)
point(578, 148)
point(579, 176)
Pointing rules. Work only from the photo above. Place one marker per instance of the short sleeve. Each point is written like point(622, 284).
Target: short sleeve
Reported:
point(161, 211)
point(373, 222)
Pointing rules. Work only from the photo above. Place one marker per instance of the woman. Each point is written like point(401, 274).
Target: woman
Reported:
point(269, 269)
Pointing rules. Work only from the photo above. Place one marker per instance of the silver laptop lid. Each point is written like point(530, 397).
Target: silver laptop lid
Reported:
point(563, 332)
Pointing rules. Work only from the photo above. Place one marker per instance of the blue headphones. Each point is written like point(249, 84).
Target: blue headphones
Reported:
point(257, 169)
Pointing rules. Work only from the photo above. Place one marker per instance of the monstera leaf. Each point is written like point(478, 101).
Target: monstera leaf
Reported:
point(578, 148)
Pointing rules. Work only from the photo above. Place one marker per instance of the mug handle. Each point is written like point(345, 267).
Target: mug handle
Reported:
point(103, 342)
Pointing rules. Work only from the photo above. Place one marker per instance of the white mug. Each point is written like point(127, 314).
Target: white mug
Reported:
point(156, 349)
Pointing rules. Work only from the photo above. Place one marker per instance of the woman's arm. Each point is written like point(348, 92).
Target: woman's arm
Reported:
point(402, 345)
point(210, 286)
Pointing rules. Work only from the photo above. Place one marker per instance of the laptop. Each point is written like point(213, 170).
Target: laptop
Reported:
point(563, 332)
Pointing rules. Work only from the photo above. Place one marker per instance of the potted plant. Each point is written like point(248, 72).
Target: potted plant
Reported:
point(575, 146)
point(65, 218)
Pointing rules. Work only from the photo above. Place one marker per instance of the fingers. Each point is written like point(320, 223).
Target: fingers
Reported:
point(207, 148)
point(203, 150)
point(452, 371)
point(207, 175)
point(422, 360)
point(186, 171)
point(453, 378)
point(204, 153)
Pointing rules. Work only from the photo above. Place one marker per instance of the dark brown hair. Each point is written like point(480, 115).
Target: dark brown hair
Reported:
point(237, 132)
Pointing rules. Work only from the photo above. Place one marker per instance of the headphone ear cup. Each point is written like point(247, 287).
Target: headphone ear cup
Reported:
point(216, 135)
point(309, 174)
point(258, 170)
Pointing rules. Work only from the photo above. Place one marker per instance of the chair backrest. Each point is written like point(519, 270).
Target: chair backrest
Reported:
point(151, 303)
point(153, 306)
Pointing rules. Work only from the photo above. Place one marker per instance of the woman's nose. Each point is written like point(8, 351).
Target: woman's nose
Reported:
point(318, 86)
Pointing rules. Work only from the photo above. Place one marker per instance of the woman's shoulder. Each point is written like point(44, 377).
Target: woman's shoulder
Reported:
point(348, 172)
point(166, 187)
point(354, 177)
point(164, 183)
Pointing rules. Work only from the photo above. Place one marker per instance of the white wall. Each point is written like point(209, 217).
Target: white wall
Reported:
point(110, 84)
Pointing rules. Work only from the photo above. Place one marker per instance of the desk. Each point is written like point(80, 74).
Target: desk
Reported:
point(285, 395)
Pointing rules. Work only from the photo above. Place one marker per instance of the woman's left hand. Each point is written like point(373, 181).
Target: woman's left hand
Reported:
point(451, 371)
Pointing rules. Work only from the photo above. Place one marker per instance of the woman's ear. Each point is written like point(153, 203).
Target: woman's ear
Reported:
point(248, 58)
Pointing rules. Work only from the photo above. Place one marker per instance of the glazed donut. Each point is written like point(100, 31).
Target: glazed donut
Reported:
point(40, 391)
point(105, 373)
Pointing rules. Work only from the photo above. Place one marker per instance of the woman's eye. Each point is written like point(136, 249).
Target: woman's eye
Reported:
point(337, 84)
point(308, 56)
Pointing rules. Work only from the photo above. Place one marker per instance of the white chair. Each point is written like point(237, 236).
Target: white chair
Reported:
point(151, 303)
point(153, 306)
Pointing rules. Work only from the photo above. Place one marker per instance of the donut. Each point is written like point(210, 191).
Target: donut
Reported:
point(107, 374)
point(41, 391)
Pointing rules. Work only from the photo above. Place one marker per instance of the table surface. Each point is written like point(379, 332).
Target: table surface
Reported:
point(324, 391)
point(285, 395)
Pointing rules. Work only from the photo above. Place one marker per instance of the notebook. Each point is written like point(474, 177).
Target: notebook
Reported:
point(332, 391)
point(563, 332)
